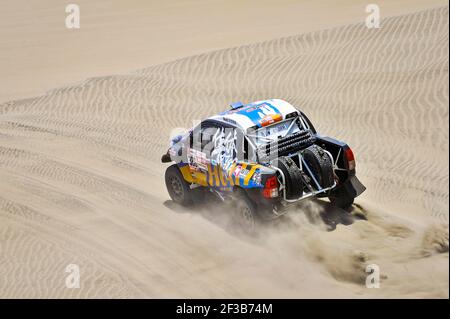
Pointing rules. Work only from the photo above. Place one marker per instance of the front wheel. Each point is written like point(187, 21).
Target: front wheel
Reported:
point(178, 188)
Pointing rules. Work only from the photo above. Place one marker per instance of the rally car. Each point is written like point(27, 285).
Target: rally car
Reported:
point(263, 156)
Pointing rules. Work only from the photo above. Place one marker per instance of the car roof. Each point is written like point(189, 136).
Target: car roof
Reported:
point(254, 114)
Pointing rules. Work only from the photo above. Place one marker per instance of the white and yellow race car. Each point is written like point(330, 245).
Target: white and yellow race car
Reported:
point(263, 156)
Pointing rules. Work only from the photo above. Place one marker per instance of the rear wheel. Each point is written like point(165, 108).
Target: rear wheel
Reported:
point(245, 214)
point(344, 201)
point(178, 188)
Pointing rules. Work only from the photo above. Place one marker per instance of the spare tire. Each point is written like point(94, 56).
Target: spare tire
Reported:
point(320, 164)
point(292, 175)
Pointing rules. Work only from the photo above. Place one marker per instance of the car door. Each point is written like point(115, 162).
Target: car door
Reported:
point(203, 141)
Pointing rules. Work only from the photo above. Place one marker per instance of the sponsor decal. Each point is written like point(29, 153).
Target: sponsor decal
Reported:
point(197, 160)
point(270, 119)
point(237, 170)
point(226, 119)
point(262, 114)
point(256, 178)
point(243, 172)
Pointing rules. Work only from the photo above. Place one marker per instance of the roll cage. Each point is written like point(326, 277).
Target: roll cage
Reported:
point(245, 146)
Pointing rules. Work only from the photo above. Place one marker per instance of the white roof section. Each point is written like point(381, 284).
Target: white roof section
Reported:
point(253, 114)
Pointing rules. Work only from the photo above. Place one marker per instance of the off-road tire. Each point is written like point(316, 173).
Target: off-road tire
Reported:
point(293, 177)
point(178, 189)
point(320, 164)
point(245, 215)
point(344, 201)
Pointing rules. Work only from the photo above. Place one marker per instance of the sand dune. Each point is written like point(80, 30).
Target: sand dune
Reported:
point(81, 181)
point(38, 53)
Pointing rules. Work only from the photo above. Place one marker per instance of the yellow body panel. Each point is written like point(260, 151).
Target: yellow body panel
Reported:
point(250, 174)
point(216, 176)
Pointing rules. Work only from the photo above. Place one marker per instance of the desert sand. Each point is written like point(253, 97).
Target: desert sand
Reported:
point(81, 180)
point(38, 53)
